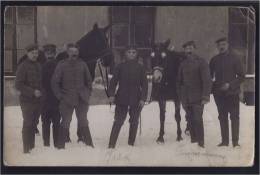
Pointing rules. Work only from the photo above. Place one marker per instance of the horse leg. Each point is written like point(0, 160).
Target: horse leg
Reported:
point(162, 106)
point(178, 120)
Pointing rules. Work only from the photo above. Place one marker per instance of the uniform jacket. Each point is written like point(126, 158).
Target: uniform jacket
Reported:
point(193, 81)
point(226, 68)
point(132, 83)
point(28, 79)
point(50, 100)
point(72, 81)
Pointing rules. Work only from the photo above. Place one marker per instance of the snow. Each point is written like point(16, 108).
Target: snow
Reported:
point(146, 151)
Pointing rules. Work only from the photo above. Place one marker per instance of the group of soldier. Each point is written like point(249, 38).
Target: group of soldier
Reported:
point(55, 88)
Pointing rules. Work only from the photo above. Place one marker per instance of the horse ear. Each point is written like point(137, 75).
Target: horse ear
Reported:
point(167, 43)
point(95, 26)
point(107, 28)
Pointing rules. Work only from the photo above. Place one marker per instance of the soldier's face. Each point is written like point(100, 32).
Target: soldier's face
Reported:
point(49, 55)
point(222, 46)
point(73, 53)
point(189, 50)
point(131, 54)
point(33, 55)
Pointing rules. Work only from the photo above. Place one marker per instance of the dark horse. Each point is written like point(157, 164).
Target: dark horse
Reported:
point(93, 46)
point(165, 64)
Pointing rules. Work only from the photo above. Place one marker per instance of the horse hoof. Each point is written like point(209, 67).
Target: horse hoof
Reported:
point(160, 140)
point(179, 138)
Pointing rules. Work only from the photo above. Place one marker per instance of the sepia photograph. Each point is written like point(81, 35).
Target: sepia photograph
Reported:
point(129, 85)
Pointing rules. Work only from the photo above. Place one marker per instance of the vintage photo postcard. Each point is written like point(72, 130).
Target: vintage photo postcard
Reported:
point(129, 85)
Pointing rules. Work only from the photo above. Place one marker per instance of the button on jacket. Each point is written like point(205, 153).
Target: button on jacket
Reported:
point(132, 81)
point(226, 68)
point(72, 81)
point(194, 82)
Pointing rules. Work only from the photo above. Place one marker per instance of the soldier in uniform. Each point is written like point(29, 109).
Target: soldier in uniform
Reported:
point(130, 97)
point(72, 85)
point(50, 111)
point(194, 87)
point(41, 59)
point(227, 71)
point(29, 82)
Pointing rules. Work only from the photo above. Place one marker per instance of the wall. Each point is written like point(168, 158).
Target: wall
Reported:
point(63, 24)
point(201, 24)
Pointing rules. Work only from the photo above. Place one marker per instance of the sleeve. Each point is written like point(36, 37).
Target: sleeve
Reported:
point(206, 80)
point(56, 81)
point(114, 81)
point(44, 77)
point(144, 85)
point(211, 68)
point(20, 82)
point(88, 79)
point(240, 74)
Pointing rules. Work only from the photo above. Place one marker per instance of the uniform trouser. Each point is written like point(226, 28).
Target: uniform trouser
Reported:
point(49, 116)
point(66, 111)
point(228, 105)
point(30, 112)
point(120, 116)
point(194, 114)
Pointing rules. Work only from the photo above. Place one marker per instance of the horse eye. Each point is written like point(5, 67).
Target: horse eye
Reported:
point(152, 54)
point(163, 54)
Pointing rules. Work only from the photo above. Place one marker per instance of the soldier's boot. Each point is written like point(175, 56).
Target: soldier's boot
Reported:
point(87, 139)
point(62, 134)
point(31, 138)
point(224, 128)
point(178, 121)
point(235, 131)
point(55, 131)
point(80, 134)
point(132, 133)
point(187, 130)
point(114, 135)
point(160, 139)
point(46, 134)
point(26, 140)
point(67, 138)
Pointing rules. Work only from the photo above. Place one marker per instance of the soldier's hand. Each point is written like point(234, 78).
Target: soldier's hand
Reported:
point(141, 103)
point(111, 99)
point(37, 93)
point(225, 87)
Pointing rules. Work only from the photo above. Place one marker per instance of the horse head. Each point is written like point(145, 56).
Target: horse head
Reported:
point(95, 45)
point(159, 54)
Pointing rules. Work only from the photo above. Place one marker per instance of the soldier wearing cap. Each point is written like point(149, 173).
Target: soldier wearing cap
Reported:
point(72, 86)
point(50, 110)
point(130, 97)
point(29, 82)
point(228, 74)
point(194, 86)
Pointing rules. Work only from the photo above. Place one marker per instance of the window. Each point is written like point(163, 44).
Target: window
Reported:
point(19, 31)
point(132, 26)
point(242, 35)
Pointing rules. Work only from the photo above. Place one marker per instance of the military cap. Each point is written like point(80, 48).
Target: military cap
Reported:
point(189, 43)
point(31, 47)
point(49, 48)
point(221, 39)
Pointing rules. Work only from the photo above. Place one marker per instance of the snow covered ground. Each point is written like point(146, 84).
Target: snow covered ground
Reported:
point(146, 152)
